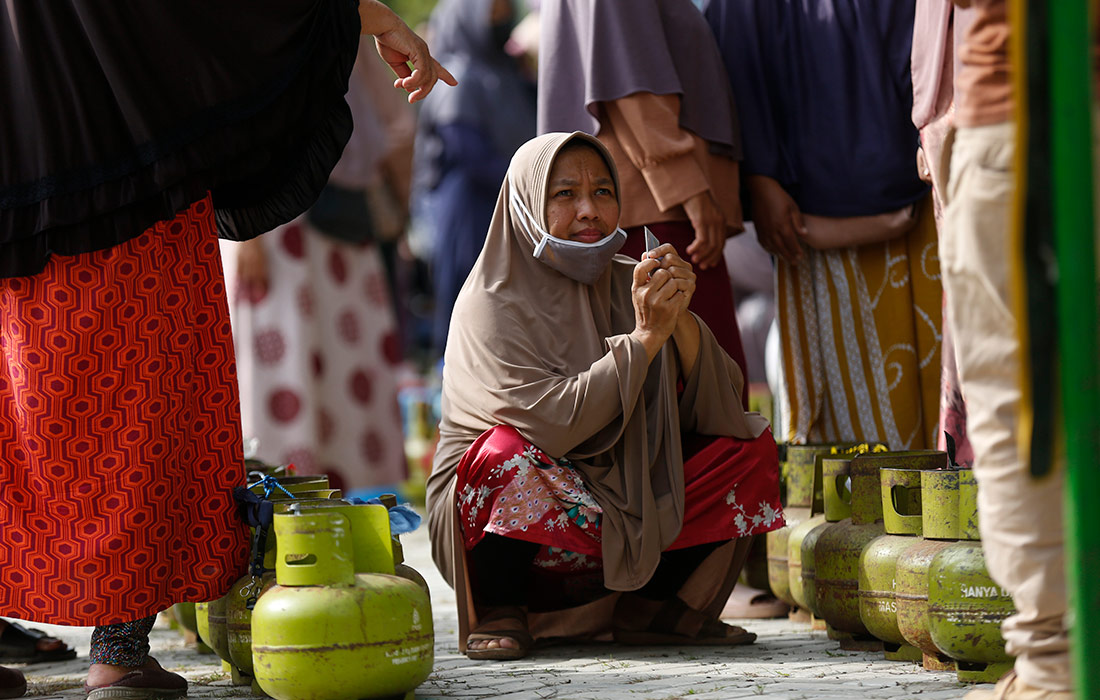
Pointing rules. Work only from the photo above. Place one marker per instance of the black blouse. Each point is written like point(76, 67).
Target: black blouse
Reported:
point(117, 114)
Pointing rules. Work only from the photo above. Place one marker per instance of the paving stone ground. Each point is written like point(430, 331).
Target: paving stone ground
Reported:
point(787, 662)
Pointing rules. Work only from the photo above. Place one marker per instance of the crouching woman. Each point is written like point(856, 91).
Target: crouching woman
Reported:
point(596, 475)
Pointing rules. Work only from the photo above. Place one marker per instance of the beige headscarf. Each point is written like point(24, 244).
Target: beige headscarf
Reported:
point(552, 357)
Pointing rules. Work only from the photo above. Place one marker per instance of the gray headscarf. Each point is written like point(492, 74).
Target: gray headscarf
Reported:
point(595, 51)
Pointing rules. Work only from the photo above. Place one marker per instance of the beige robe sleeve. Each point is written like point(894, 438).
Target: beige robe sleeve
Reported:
point(648, 129)
point(596, 398)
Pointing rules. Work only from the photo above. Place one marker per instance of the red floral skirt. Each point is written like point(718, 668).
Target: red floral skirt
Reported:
point(509, 487)
point(120, 437)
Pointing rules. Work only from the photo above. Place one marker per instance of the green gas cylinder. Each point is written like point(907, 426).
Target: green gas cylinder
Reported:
point(370, 542)
point(838, 550)
point(836, 554)
point(239, 622)
point(797, 476)
point(878, 563)
point(238, 618)
point(802, 478)
point(810, 527)
point(965, 606)
point(795, 542)
point(837, 505)
point(370, 633)
point(211, 623)
point(940, 528)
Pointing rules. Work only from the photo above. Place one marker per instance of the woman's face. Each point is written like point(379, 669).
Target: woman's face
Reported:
point(581, 204)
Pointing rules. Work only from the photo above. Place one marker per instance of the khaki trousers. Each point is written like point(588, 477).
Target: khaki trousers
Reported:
point(1021, 518)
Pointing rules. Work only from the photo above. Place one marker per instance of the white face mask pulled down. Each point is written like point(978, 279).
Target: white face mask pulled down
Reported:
point(584, 262)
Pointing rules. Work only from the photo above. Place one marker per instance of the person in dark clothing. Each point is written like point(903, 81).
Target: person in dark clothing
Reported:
point(120, 434)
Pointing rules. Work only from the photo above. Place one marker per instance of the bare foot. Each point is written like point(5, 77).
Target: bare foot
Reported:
point(44, 644)
point(501, 633)
point(498, 643)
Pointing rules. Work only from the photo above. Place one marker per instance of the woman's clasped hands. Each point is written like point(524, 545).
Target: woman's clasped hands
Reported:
point(662, 289)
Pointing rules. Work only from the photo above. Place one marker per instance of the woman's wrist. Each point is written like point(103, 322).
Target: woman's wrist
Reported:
point(687, 337)
point(686, 326)
point(376, 18)
point(651, 341)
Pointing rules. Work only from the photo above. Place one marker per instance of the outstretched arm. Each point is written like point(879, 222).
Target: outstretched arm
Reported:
point(647, 127)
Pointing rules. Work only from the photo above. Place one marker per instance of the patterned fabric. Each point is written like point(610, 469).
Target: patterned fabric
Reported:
point(952, 404)
point(122, 644)
point(860, 332)
point(119, 431)
point(317, 356)
point(509, 487)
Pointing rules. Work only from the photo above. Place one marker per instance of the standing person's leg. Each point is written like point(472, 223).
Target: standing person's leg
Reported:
point(120, 660)
point(133, 447)
point(1024, 550)
point(125, 644)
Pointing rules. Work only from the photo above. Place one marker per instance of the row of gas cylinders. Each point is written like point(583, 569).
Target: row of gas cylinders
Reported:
point(337, 614)
point(882, 548)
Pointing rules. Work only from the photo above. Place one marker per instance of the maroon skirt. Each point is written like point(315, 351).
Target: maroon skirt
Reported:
point(120, 437)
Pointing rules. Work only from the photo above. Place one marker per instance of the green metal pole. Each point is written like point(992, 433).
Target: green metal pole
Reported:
point(1070, 42)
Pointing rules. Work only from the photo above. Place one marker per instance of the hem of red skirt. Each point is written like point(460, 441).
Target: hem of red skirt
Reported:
point(595, 551)
point(696, 538)
point(129, 615)
point(706, 537)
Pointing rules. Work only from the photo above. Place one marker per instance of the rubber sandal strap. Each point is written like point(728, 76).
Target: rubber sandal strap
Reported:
point(505, 621)
point(18, 639)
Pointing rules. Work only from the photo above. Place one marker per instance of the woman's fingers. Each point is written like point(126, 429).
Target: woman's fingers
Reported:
point(706, 250)
point(659, 278)
point(420, 82)
point(444, 74)
point(661, 251)
point(788, 245)
point(681, 271)
point(643, 270)
point(670, 259)
point(400, 47)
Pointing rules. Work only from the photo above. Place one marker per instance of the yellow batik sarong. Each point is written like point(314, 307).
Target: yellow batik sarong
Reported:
point(860, 330)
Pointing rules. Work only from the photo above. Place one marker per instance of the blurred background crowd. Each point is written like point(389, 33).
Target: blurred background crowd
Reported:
point(341, 316)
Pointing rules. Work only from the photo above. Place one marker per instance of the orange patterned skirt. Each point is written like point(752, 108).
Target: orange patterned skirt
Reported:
point(120, 434)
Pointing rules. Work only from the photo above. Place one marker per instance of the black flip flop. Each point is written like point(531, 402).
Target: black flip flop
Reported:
point(19, 645)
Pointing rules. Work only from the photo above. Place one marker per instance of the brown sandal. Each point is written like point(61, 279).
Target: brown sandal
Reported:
point(141, 684)
point(671, 623)
point(504, 622)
